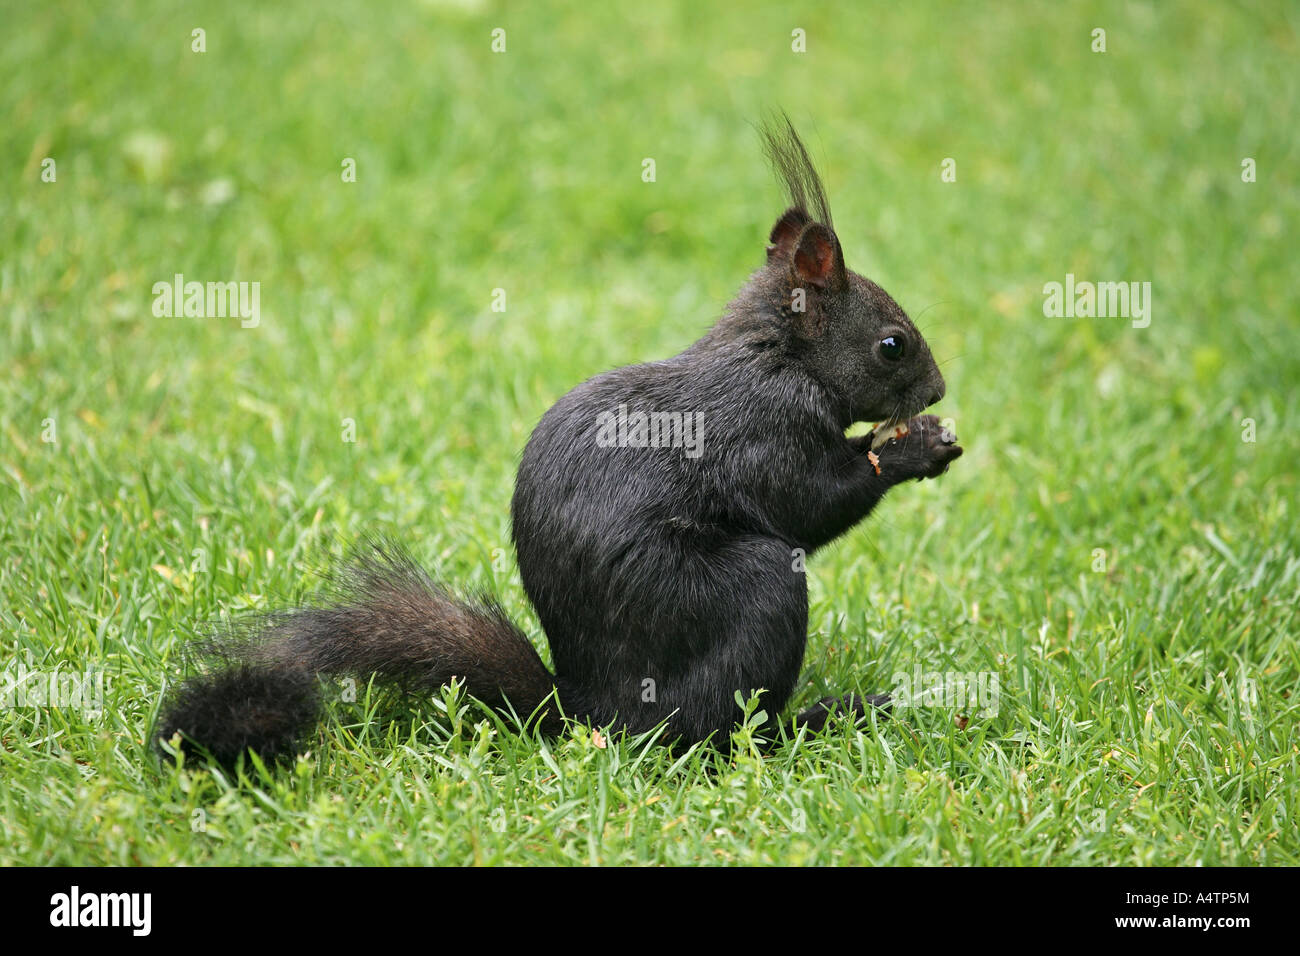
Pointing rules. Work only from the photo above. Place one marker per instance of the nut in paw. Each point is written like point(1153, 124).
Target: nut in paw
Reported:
point(925, 451)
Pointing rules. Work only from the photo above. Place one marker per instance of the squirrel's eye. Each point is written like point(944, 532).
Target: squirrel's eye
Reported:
point(891, 347)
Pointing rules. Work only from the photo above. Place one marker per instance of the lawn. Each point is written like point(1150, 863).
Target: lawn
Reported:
point(1116, 552)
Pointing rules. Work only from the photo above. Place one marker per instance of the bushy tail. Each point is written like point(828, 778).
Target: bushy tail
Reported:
point(382, 616)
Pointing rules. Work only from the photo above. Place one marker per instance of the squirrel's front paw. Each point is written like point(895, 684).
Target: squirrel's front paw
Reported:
point(925, 451)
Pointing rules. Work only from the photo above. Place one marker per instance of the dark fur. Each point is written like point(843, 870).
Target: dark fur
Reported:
point(382, 615)
point(645, 565)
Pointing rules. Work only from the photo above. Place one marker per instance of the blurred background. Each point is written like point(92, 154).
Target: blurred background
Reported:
point(522, 170)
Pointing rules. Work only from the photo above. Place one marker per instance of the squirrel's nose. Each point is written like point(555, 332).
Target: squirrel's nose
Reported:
point(936, 396)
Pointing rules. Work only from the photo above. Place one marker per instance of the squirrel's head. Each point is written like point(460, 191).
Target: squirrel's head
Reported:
point(846, 330)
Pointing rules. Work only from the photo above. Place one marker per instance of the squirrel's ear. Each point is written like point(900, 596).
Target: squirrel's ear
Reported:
point(786, 232)
point(817, 258)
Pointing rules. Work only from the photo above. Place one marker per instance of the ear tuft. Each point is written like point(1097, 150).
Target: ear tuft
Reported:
point(790, 159)
point(817, 257)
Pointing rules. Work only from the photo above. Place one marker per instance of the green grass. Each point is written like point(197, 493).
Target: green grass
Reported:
point(1148, 712)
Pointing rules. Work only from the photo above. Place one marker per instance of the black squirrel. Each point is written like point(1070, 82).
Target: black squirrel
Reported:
point(660, 517)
